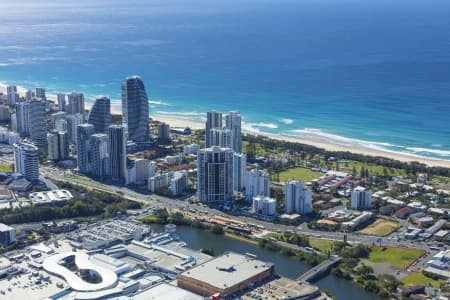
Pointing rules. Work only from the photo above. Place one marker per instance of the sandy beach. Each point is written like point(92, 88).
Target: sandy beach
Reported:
point(320, 143)
point(317, 141)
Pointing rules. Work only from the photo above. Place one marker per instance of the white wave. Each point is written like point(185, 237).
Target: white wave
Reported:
point(180, 113)
point(250, 128)
point(427, 150)
point(287, 121)
point(320, 136)
point(159, 102)
point(263, 125)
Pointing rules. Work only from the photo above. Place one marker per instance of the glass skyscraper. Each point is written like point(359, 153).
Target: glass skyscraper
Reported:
point(100, 115)
point(135, 110)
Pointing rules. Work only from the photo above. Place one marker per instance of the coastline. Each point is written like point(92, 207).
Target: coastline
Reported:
point(318, 142)
point(310, 138)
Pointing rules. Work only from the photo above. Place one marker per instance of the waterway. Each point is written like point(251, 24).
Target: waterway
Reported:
point(286, 266)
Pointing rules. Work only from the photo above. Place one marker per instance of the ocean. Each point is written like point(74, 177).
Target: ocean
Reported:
point(352, 72)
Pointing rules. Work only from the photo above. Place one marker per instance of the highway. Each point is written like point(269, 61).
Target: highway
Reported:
point(174, 204)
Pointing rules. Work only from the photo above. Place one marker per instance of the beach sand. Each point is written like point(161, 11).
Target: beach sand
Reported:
point(319, 142)
point(178, 122)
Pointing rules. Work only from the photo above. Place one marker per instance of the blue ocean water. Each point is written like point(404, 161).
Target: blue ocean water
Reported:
point(354, 72)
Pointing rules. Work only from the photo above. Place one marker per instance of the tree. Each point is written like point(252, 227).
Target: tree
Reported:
point(217, 229)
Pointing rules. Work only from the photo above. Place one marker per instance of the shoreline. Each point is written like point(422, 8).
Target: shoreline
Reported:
point(319, 143)
point(311, 139)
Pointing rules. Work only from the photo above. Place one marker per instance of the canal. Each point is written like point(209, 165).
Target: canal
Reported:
point(286, 266)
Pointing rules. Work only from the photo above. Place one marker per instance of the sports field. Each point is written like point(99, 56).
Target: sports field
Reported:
point(380, 228)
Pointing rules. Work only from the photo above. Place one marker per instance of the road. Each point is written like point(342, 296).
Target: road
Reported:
point(174, 204)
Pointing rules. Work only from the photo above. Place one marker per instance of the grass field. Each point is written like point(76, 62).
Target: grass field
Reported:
point(397, 257)
point(322, 245)
point(373, 169)
point(259, 149)
point(381, 228)
point(420, 279)
point(303, 174)
point(5, 168)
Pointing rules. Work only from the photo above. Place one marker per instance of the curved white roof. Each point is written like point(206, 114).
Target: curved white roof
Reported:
point(82, 261)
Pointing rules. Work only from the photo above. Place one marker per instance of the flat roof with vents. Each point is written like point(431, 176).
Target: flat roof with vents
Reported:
point(228, 270)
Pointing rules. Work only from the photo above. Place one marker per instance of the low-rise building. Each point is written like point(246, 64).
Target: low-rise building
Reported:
point(158, 182)
point(7, 235)
point(50, 197)
point(264, 206)
point(355, 223)
point(226, 274)
point(178, 183)
point(191, 149)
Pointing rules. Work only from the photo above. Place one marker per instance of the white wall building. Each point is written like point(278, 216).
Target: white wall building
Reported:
point(239, 169)
point(151, 169)
point(361, 199)
point(7, 235)
point(297, 198)
point(191, 149)
point(257, 183)
point(137, 171)
point(264, 206)
point(178, 182)
point(26, 160)
point(221, 137)
point(158, 182)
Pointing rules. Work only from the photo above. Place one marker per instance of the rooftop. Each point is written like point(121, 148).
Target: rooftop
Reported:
point(166, 291)
point(228, 270)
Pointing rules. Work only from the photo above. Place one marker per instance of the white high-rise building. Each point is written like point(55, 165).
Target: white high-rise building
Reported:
point(40, 93)
point(163, 132)
point(12, 95)
point(257, 183)
point(58, 145)
point(57, 116)
point(158, 182)
point(76, 103)
point(151, 169)
point(37, 123)
point(29, 95)
point(137, 171)
point(61, 125)
point(233, 123)
point(53, 146)
point(297, 198)
point(221, 137)
point(61, 102)
point(14, 122)
point(22, 112)
point(72, 122)
point(215, 174)
point(264, 206)
point(213, 120)
point(178, 182)
point(361, 199)
point(7, 235)
point(26, 160)
point(239, 169)
point(4, 113)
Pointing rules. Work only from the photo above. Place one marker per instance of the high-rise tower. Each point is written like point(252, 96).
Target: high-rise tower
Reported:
point(135, 110)
point(100, 115)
